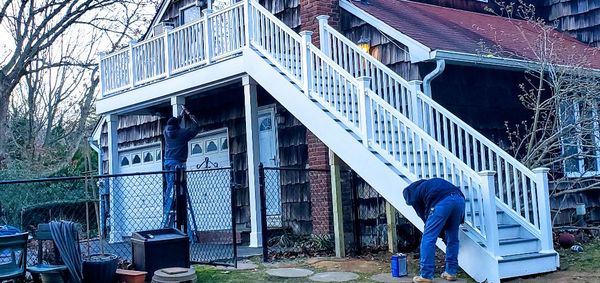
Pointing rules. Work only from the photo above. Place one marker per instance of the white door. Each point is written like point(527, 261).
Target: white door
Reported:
point(136, 201)
point(269, 157)
point(209, 190)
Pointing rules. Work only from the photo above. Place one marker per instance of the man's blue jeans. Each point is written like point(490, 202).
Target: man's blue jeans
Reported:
point(445, 216)
point(170, 165)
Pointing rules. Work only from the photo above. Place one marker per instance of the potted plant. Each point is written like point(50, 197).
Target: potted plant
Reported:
point(102, 267)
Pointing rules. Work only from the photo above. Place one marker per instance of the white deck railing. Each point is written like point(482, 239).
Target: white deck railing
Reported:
point(519, 190)
point(385, 111)
point(213, 37)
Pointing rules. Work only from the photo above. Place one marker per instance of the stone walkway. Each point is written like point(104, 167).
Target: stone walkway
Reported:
point(334, 277)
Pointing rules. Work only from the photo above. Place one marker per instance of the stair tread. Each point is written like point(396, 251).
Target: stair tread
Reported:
point(516, 240)
point(519, 257)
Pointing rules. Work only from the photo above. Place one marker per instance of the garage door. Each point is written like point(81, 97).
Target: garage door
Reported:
point(209, 190)
point(136, 201)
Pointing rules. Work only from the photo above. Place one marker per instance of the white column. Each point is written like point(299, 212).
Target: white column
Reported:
point(253, 153)
point(306, 65)
point(132, 73)
point(113, 168)
point(167, 47)
point(176, 103)
point(324, 35)
point(364, 109)
point(489, 211)
point(416, 115)
point(543, 200)
point(208, 42)
point(101, 76)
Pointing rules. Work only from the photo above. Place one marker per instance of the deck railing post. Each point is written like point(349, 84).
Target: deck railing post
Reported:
point(131, 64)
point(490, 217)
point(324, 35)
point(168, 52)
point(208, 38)
point(306, 64)
point(364, 108)
point(416, 115)
point(247, 22)
point(102, 78)
point(543, 200)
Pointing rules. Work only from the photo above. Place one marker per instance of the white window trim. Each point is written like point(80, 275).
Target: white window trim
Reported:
point(582, 173)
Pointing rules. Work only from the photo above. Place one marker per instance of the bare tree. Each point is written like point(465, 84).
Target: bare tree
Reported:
point(562, 92)
point(49, 75)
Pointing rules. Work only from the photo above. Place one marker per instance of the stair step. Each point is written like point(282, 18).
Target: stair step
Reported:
point(516, 240)
point(521, 257)
point(527, 264)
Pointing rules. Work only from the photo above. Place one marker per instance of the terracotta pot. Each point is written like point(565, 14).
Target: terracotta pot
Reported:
point(130, 276)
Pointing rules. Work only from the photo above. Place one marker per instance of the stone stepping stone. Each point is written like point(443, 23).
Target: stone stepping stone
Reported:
point(289, 272)
point(240, 266)
point(334, 277)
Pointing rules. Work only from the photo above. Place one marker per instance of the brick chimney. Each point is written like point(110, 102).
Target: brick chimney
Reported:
point(318, 153)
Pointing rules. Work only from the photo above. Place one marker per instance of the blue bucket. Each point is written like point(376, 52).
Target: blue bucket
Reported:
point(399, 265)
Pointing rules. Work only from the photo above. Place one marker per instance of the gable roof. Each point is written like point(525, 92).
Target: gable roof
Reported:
point(465, 32)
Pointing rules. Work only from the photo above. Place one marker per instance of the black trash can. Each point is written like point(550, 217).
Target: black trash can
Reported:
point(156, 249)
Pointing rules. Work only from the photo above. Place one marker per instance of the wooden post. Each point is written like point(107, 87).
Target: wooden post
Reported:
point(306, 65)
point(253, 154)
point(324, 35)
point(247, 22)
point(364, 106)
point(543, 200)
point(101, 77)
point(390, 215)
point(113, 167)
point(336, 201)
point(489, 211)
point(208, 48)
point(415, 88)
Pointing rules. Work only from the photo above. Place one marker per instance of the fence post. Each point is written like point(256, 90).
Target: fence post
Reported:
point(181, 200)
point(364, 106)
point(355, 215)
point(167, 51)
point(543, 200)
point(263, 212)
point(489, 206)
point(306, 64)
point(233, 188)
point(208, 51)
point(131, 64)
point(324, 35)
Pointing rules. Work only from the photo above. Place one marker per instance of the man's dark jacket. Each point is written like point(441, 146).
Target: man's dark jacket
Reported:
point(176, 142)
point(423, 195)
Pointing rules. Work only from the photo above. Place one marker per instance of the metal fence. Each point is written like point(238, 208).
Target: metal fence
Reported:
point(110, 208)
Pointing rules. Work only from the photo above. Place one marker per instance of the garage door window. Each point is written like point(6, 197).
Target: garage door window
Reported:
point(158, 155)
point(148, 157)
point(124, 161)
point(224, 144)
point(211, 146)
point(196, 148)
point(136, 159)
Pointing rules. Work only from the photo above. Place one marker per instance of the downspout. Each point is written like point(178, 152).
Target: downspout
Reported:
point(439, 68)
point(96, 147)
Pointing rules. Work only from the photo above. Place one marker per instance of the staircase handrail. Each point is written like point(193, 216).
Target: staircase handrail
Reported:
point(420, 113)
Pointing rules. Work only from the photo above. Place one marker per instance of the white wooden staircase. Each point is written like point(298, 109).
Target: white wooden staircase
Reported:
point(383, 127)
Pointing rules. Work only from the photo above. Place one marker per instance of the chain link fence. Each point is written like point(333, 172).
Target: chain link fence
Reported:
point(110, 208)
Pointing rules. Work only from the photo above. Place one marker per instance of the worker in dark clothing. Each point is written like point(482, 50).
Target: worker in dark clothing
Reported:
point(441, 205)
point(176, 153)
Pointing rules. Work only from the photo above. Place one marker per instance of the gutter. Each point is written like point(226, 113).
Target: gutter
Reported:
point(439, 69)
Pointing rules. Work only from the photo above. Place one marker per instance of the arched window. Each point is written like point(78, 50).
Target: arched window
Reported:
point(136, 159)
point(196, 149)
point(124, 161)
point(224, 144)
point(148, 157)
point(211, 146)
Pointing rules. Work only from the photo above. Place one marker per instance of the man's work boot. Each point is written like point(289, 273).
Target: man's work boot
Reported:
point(446, 276)
point(419, 279)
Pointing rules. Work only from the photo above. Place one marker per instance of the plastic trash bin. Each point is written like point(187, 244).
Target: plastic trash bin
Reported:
point(156, 249)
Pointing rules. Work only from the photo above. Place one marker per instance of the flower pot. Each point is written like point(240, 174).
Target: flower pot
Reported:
point(100, 268)
point(130, 276)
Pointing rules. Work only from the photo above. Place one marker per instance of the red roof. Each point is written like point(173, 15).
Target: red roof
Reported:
point(441, 28)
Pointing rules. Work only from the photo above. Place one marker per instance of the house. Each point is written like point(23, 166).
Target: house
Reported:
point(396, 90)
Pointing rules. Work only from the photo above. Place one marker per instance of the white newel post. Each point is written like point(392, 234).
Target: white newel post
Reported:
point(247, 23)
point(208, 44)
point(324, 35)
point(543, 199)
point(131, 64)
point(488, 192)
point(414, 89)
point(253, 156)
point(364, 108)
point(306, 69)
point(101, 76)
point(167, 48)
